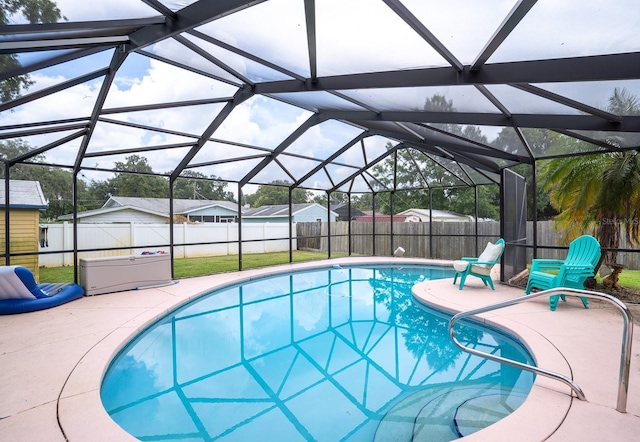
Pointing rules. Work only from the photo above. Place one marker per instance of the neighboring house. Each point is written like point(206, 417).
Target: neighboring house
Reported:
point(301, 213)
point(342, 210)
point(423, 215)
point(156, 210)
point(26, 200)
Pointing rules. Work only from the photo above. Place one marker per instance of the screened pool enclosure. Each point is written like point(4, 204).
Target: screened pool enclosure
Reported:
point(377, 99)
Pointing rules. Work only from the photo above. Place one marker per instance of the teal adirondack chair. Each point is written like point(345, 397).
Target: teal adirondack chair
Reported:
point(582, 258)
point(481, 266)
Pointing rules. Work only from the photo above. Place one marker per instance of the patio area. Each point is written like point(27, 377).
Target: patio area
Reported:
point(53, 360)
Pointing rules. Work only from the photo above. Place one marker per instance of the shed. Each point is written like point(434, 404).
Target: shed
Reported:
point(26, 200)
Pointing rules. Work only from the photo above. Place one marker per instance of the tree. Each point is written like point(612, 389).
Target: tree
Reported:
point(96, 195)
point(418, 326)
point(276, 192)
point(34, 11)
point(409, 169)
point(362, 202)
point(540, 141)
point(598, 193)
point(132, 184)
point(336, 198)
point(462, 200)
point(196, 185)
point(56, 183)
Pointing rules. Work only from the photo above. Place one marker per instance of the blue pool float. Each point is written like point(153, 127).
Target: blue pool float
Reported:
point(19, 292)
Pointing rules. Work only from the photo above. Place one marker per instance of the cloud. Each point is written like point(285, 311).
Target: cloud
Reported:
point(163, 83)
point(365, 36)
point(249, 31)
point(566, 29)
point(81, 10)
point(353, 36)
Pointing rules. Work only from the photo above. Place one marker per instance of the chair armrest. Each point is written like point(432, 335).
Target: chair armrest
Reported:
point(489, 263)
point(542, 275)
point(575, 270)
point(544, 265)
point(578, 268)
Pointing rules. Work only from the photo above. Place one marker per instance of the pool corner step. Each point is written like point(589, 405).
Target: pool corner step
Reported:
point(444, 413)
point(479, 412)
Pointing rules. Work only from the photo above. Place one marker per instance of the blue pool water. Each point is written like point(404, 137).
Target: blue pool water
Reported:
point(330, 354)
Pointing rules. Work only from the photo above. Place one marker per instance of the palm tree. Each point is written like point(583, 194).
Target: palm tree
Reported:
point(598, 193)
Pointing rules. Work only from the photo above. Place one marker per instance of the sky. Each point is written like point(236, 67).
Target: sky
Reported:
point(377, 40)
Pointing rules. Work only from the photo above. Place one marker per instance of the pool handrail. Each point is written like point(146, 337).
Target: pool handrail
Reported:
point(627, 335)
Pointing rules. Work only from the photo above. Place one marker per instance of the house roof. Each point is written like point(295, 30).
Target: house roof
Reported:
point(161, 205)
point(103, 210)
point(278, 210)
point(343, 209)
point(370, 213)
point(23, 195)
point(435, 214)
point(154, 206)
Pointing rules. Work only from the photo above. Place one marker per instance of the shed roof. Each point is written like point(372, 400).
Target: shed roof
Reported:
point(23, 195)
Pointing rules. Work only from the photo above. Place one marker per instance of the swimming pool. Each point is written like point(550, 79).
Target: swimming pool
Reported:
point(339, 353)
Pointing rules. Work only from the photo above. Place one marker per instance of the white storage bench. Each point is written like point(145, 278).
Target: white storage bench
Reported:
point(118, 273)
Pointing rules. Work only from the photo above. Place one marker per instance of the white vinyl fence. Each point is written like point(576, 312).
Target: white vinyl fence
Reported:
point(139, 238)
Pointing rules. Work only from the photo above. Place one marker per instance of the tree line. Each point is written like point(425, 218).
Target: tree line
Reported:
point(598, 193)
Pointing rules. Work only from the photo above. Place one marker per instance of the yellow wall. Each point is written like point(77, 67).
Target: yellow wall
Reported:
point(24, 233)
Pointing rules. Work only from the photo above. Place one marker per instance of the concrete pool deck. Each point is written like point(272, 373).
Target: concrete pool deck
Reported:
point(52, 361)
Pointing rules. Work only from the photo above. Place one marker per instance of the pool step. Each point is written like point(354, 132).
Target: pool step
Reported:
point(481, 411)
point(444, 413)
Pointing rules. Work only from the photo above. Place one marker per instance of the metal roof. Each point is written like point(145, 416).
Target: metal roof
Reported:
point(318, 93)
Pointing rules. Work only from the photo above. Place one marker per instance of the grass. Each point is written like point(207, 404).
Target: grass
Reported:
point(187, 267)
point(628, 278)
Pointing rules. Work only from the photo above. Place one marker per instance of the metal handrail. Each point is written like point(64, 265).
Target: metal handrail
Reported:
point(625, 357)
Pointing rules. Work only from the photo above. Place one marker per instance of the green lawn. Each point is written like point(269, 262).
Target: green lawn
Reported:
point(187, 267)
point(628, 278)
point(184, 268)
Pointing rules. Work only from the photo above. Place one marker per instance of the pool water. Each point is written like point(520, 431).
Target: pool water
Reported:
point(339, 353)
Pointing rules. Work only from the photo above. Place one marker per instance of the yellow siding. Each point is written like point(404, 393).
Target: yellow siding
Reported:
point(24, 233)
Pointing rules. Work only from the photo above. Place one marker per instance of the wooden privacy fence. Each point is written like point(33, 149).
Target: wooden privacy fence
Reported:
point(448, 240)
point(412, 237)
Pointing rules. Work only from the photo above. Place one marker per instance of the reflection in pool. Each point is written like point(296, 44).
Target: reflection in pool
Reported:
point(341, 353)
